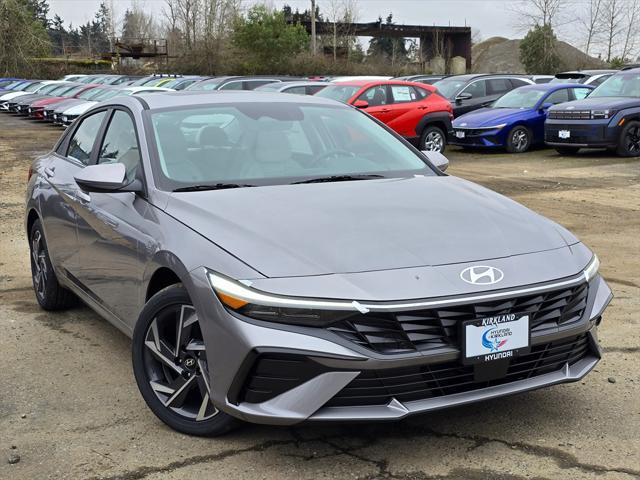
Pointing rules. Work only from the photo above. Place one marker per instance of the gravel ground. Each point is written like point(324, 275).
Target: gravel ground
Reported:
point(69, 407)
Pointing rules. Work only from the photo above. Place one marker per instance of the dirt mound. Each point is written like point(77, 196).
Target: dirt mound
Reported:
point(501, 55)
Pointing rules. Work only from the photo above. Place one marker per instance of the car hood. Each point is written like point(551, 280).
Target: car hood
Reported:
point(359, 226)
point(487, 117)
point(11, 95)
point(613, 103)
point(68, 103)
point(79, 109)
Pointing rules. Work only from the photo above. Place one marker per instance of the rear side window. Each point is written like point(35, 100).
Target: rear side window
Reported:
point(516, 82)
point(499, 85)
point(559, 96)
point(120, 144)
point(403, 94)
point(296, 90)
point(84, 137)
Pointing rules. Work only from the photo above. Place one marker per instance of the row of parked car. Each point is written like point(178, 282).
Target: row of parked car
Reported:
point(569, 111)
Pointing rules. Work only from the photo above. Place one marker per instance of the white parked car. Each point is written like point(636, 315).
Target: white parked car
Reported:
point(36, 87)
point(68, 116)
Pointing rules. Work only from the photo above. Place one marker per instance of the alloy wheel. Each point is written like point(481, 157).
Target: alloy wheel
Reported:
point(39, 264)
point(633, 140)
point(520, 140)
point(433, 142)
point(176, 365)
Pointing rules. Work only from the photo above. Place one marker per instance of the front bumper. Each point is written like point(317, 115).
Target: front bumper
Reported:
point(582, 133)
point(478, 138)
point(279, 374)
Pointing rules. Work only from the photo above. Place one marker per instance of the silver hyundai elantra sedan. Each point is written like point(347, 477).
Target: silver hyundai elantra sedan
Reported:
point(279, 259)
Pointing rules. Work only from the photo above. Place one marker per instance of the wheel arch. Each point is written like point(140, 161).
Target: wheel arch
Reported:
point(32, 216)
point(436, 119)
point(163, 271)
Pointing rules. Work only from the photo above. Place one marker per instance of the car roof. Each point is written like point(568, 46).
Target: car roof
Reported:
point(373, 83)
point(586, 73)
point(554, 86)
point(199, 98)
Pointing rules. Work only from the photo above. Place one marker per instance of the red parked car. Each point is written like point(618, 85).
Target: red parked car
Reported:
point(36, 109)
point(414, 110)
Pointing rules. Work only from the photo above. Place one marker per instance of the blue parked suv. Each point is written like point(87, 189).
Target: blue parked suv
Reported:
point(609, 118)
point(516, 120)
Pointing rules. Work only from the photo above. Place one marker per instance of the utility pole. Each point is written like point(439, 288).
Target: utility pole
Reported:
point(313, 27)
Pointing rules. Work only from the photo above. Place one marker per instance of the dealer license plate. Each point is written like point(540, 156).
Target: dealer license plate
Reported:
point(460, 134)
point(564, 134)
point(495, 338)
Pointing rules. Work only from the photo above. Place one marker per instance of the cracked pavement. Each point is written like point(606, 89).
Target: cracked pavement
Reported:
point(70, 407)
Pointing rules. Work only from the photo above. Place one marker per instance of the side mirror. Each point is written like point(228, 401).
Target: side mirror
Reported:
point(104, 178)
point(464, 96)
point(361, 104)
point(438, 160)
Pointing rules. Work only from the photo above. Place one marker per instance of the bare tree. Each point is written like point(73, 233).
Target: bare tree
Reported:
point(539, 12)
point(612, 24)
point(591, 23)
point(631, 29)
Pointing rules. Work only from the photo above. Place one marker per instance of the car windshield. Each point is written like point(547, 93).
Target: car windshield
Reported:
point(274, 143)
point(73, 91)
point(523, 98)
point(342, 93)
point(212, 85)
point(32, 87)
point(619, 85)
point(449, 87)
point(48, 89)
point(60, 90)
point(90, 92)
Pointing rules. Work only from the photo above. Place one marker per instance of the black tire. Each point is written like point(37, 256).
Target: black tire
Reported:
point(567, 151)
point(629, 143)
point(49, 293)
point(519, 139)
point(433, 139)
point(158, 320)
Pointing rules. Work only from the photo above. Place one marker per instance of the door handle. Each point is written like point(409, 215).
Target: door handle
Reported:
point(49, 171)
point(82, 196)
point(385, 110)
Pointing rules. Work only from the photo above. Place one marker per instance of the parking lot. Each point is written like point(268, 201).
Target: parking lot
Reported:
point(69, 406)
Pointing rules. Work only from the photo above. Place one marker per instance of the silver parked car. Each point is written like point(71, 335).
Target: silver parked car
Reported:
point(281, 258)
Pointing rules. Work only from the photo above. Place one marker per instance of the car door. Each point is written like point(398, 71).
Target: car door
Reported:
point(378, 98)
point(59, 206)
point(478, 91)
point(405, 112)
point(109, 225)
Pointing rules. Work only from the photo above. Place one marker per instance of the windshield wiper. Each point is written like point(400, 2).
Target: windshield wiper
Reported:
point(339, 178)
point(216, 186)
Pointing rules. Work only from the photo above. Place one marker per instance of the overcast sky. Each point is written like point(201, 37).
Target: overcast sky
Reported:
point(491, 17)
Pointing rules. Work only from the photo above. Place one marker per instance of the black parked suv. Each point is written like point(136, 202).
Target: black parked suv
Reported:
point(608, 118)
point(473, 91)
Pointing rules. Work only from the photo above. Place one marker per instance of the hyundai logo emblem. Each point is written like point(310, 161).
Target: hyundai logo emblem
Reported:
point(481, 275)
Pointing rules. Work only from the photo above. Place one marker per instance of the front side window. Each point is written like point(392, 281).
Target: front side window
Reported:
point(84, 137)
point(232, 86)
point(273, 143)
point(376, 96)
point(120, 144)
point(477, 89)
point(301, 90)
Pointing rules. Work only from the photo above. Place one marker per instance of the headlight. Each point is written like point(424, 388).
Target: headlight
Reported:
point(260, 305)
point(591, 269)
point(602, 114)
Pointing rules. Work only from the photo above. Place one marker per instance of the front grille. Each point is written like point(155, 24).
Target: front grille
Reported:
point(424, 330)
point(570, 115)
point(378, 387)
